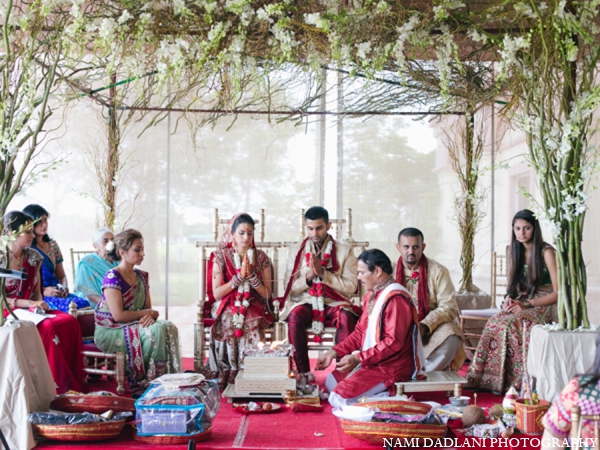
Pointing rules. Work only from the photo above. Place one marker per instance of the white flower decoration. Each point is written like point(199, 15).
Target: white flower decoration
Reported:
point(110, 246)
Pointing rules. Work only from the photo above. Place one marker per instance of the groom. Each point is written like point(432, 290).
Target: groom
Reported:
point(320, 280)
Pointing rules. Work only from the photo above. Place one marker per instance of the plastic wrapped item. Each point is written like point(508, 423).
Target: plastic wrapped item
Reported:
point(44, 418)
point(177, 405)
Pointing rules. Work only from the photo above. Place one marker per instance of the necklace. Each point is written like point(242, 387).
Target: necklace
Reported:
point(317, 290)
point(19, 259)
point(376, 291)
point(242, 296)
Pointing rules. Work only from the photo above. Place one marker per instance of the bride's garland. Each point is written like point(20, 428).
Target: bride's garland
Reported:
point(242, 296)
point(317, 289)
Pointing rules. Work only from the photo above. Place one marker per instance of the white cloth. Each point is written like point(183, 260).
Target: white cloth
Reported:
point(337, 401)
point(26, 384)
point(555, 357)
point(370, 337)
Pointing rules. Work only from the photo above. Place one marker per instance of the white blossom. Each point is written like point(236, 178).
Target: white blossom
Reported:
point(125, 16)
point(107, 28)
point(362, 49)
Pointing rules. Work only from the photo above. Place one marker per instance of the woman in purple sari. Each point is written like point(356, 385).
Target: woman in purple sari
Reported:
point(125, 320)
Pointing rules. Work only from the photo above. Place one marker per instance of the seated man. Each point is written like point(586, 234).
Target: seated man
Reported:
point(433, 293)
point(386, 335)
point(320, 279)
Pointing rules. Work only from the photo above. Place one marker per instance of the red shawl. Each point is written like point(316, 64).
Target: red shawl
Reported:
point(329, 292)
point(422, 290)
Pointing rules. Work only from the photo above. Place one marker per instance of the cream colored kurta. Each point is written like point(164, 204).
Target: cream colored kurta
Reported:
point(443, 309)
point(344, 281)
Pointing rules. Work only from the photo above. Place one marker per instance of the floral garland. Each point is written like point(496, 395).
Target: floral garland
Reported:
point(316, 291)
point(242, 296)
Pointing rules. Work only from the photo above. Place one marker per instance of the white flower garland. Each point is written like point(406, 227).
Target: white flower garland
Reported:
point(243, 294)
point(316, 291)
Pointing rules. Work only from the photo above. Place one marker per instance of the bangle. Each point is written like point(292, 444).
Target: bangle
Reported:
point(235, 281)
point(254, 281)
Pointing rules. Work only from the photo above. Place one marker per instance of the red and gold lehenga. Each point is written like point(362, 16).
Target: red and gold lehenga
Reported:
point(225, 355)
point(61, 335)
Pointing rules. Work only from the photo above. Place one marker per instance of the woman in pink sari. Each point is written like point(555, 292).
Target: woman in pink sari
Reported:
point(239, 287)
point(61, 334)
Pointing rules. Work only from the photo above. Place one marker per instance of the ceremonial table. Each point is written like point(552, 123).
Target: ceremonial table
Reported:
point(26, 384)
point(434, 381)
point(555, 357)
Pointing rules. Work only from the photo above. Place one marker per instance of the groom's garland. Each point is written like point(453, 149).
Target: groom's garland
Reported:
point(317, 289)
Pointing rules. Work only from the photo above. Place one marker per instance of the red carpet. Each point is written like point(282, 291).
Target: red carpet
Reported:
point(283, 430)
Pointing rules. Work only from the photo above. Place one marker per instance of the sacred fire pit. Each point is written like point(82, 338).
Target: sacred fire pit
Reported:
point(267, 373)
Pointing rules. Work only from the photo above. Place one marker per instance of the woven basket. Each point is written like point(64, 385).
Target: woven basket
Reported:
point(374, 432)
point(83, 432)
point(94, 404)
point(529, 417)
point(163, 439)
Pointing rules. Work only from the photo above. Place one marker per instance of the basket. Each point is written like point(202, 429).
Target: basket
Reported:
point(83, 432)
point(95, 404)
point(374, 432)
point(529, 417)
point(173, 440)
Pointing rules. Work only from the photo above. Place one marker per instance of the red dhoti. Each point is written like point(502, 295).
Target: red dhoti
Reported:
point(301, 318)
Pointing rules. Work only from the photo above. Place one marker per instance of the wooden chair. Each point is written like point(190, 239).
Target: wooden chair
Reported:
point(96, 361)
point(203, 324)
point(76, 256)
point(481, 316)
point(577, 423)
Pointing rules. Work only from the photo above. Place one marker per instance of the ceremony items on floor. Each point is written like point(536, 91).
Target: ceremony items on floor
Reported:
point(182, 404)
point(78, 427)
point(434, 381)
point(267, 373)
point(94, 402)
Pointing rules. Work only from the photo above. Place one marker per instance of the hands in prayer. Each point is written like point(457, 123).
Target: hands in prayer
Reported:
point(246, 270)
point(315, 268)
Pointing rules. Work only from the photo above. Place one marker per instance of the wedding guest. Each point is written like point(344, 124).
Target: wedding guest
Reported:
point(531, 295)
point(126, 322)
point(386, 335)
point(92, 268)
point(239, 287)
point(61, 334)
point(431, 288)
point(320, 281)
point(54, 279)
point(582, 391)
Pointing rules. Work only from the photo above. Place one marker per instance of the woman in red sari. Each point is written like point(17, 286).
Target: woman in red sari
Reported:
point(61, 335)
point(239, 287)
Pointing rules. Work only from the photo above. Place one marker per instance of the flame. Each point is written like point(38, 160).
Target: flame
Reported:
point(260, 345)
point(274, 344)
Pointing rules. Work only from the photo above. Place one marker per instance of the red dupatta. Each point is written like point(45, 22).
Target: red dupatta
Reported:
point(422, 289)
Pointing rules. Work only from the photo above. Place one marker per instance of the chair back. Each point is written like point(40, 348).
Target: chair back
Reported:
point(76, 256)
point(577, 423)
point(499, 279)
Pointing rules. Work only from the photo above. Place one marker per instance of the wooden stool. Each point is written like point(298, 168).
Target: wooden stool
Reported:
point(435, 381)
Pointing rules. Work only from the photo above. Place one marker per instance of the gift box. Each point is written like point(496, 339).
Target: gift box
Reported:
point(177, 405)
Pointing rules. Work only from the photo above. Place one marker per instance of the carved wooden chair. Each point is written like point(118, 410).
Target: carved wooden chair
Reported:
point(96, 361)
point(577, 423)
point(481, 316)
point(204, 323)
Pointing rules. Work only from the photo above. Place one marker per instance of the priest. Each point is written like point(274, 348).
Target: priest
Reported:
point(386, 337)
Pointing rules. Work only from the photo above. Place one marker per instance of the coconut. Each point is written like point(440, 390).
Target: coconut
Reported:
point(473, 415)
point(496, 412)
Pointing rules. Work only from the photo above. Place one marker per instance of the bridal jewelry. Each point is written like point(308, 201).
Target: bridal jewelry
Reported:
point(242, 296)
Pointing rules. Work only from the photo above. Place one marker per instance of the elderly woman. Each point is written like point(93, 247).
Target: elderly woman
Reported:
point(126, 322)
point(54, 279)
point(92, 268)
